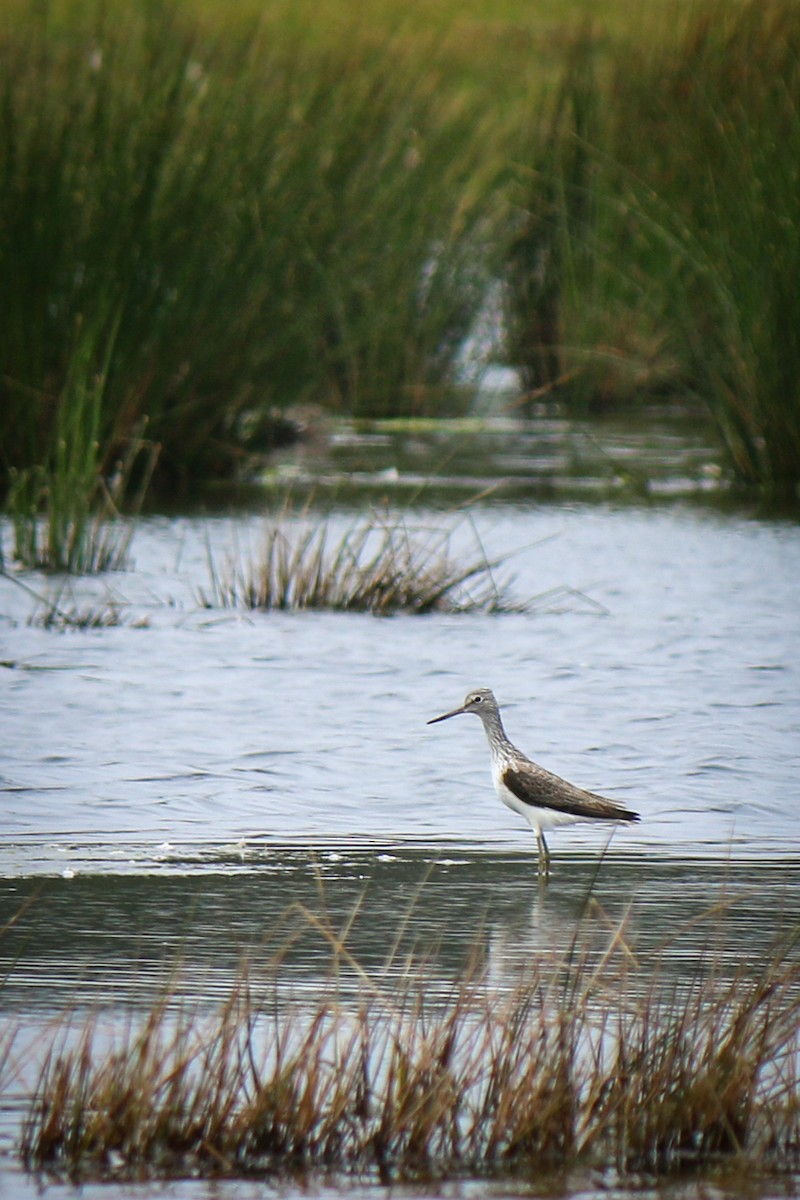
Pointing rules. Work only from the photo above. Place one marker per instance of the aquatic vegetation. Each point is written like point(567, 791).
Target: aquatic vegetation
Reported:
point(233, 221)
point(66, 510)
point(73, 521)
point(204, 223)
point(659, 247)
point(379, 564)
point(55, 616)
point(593, 1058)
point(57, 609)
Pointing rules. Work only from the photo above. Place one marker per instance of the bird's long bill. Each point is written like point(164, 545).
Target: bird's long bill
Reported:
point(446, 716)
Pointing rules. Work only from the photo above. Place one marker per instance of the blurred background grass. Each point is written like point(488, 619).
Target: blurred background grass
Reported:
point(209, 217)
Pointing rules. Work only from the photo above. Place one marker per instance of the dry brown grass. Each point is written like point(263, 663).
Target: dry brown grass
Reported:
point(589, 1059)
point(379, 564)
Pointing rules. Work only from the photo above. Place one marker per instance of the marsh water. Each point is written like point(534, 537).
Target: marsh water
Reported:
point(175, 783)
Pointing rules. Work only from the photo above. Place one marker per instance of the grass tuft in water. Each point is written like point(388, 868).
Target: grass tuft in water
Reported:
point(57, 610)
point(589, 1059)
point(67, 515)
point(54, 616)
point(379, 565)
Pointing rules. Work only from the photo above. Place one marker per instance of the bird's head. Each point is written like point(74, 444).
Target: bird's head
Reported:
point(480, 701)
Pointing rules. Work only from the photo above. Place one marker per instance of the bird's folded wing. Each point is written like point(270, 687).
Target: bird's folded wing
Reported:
point(542, 789)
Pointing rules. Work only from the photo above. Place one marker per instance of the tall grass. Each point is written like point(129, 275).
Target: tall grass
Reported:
point(666, 190)
point(591, 1059)
point(247, 214)
point(260, 220)
point(66, 511)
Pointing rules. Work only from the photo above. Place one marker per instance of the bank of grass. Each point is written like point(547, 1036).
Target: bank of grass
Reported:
point(660, 251)
point(253, 220)
point(207, 221)
point(593, 1059)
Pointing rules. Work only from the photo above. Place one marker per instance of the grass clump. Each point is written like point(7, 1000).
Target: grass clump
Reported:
point(592, 1059)
point(660, 247)
point(378, 565)
point(59, 612)
point(67, 514)
point(61, 618)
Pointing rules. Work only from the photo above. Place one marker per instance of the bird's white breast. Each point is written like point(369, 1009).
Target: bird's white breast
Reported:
point(540, 819)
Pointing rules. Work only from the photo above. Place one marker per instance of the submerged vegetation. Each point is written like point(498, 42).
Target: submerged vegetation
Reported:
point(591, 1058)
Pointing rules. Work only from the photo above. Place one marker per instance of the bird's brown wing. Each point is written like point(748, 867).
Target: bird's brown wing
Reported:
point(541, 789)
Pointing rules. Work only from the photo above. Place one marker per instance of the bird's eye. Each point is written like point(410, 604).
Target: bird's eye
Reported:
point(476, 699)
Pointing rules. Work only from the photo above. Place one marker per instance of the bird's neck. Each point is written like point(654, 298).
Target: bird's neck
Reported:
point(493, 726)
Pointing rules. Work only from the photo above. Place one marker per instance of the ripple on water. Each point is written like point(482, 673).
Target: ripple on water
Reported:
point(675, 691)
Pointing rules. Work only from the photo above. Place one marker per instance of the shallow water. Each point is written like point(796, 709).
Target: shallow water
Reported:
point(101, 949)
point(667, 677)
point(660, 452)
point(171, 785)
point(119, 941)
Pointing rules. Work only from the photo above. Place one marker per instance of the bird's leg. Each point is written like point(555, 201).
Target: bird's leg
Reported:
point(544, 854)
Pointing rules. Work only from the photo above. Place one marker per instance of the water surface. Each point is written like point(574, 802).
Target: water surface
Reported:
point(661, 668)
point(178, 788)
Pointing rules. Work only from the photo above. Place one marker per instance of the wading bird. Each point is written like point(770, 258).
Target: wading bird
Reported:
point(543, 799)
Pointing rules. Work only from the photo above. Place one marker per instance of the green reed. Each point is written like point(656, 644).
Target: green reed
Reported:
point(663, 217)
point(65, 511)
point(590, 1058)
point(262, 219)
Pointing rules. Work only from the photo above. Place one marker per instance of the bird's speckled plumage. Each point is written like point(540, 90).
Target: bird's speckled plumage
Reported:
point(545, 800)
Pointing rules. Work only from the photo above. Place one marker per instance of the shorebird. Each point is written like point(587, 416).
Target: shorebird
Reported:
point(543, 799)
